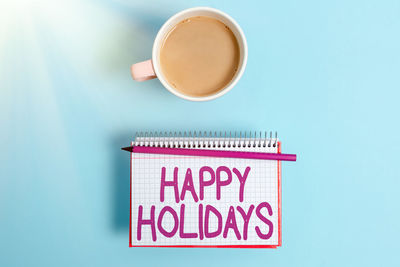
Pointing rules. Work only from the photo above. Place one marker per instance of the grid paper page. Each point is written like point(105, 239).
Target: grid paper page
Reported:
point(185, 226)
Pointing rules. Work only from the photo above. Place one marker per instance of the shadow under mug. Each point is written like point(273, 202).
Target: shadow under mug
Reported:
point(151, 68)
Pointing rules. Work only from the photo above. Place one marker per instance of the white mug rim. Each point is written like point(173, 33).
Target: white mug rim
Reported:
point(160, 36)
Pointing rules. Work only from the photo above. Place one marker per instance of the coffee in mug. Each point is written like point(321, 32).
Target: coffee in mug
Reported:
point(199, 56)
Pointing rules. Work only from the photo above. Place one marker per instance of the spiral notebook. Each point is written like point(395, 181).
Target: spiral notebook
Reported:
point(184, 195)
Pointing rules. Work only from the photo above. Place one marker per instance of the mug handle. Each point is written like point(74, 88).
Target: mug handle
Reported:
point(143, 71)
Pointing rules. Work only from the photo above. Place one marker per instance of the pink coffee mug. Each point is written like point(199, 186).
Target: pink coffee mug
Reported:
point(151, 69)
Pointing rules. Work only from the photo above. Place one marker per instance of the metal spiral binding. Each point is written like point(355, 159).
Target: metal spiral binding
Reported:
point(198, 139)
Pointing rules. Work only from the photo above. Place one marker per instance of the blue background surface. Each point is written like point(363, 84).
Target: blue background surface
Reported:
point(324, 74)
